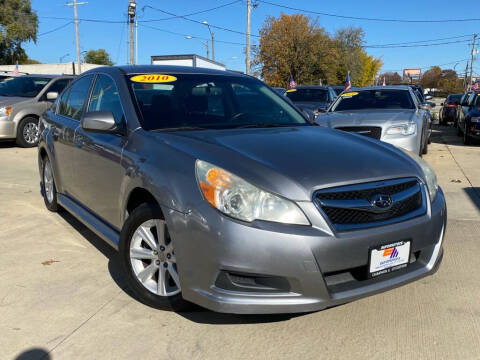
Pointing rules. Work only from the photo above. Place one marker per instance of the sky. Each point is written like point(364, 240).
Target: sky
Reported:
point(169, 37)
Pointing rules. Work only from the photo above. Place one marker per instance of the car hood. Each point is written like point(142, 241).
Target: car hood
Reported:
point(382, 118)
point(12, 100)
point(311, 105)
point(295, 161)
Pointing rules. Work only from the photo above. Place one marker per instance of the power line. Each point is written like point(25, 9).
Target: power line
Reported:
point(184, 35)
point(416, 45)
point(56, 29)
point(366, 18)
point(190, 14)
point(199, 22)
point(423, 41)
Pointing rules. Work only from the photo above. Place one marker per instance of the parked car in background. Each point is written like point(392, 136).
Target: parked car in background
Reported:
point(463, 108)
point(217, 191)
point(469, 124)
point(279, 90)
point(22, 100)
point(338, 89)
point(448, 112)
point(312, 98)
point(389, 113)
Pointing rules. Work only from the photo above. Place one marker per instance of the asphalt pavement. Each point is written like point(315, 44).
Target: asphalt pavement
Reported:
point(62, 295)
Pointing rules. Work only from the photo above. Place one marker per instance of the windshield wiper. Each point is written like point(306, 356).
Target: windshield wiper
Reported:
point(181, 128)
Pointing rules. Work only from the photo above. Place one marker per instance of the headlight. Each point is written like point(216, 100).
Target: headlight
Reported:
point(430, 177)
point(5, 111)
point(406, 129)
point(239, 199)
point(475, 119)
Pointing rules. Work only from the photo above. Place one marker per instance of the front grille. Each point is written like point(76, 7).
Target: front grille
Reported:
point(369, 131)
point(353, 207)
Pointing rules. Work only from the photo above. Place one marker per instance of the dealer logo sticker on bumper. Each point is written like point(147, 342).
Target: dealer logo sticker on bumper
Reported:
point(389, 258)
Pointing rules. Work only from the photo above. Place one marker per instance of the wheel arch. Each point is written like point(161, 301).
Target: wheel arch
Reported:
point(136, 197)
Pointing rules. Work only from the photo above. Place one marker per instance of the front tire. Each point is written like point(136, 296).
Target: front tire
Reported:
point(149, 261)
point(49, 190)
point(27, 133)
point(466, 139)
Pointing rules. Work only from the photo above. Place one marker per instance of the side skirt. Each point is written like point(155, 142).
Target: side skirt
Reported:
point(106, 232)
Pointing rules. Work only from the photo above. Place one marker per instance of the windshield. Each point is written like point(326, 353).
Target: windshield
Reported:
point(24, 86)
point(198, 101)
point(454, 98)
point(374, 99)
point(308, 95)
point(338, 90)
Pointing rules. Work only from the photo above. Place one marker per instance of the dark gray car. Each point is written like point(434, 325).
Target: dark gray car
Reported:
point(312, 98)
point(217, 191)
point(22, 100)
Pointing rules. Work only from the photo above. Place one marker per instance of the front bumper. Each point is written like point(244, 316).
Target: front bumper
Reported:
point(298, 268)
point(410, 143)
point(7, 128)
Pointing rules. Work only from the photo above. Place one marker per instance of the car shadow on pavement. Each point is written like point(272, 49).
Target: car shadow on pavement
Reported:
point(447, 134)
point(204, 316)
point(7, 144)
point(198, 314)
point(33, 354)
point(110, 253)
point(474, 194)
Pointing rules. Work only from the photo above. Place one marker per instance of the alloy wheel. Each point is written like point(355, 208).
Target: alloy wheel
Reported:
point(30, 133)
point(153, 259)
point(48, 181)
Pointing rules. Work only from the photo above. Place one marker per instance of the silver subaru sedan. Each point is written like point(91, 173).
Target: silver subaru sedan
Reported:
point(388, 113)
point(216, 190)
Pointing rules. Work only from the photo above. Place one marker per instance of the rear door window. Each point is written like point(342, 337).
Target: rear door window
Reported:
point(77, 97)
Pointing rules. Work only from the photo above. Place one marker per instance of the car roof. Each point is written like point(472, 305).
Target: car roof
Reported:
point(386, 87)
point(312, 87)
point(50, 76)
point(146, 69)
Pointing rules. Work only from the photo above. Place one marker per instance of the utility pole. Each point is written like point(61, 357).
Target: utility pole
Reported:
point(77, 35)
point(465, 77)
point(247, 59)
point(471, 60)
point(131, 16)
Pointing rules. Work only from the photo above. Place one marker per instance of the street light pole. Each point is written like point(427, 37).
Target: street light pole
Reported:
point(213, 39)
point(77, 36)
point(188, 37)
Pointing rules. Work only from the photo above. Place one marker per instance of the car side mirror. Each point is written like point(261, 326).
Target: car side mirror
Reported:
point(99, 121)
point(52, 95)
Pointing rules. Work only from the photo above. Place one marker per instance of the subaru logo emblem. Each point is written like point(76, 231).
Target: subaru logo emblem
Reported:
point(381, 201)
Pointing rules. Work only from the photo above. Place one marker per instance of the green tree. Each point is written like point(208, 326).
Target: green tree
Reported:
point(99, 56)
point(18, 24)
point(294, 45)
point(349, 41)
point(431, 77)
point(391, 78)
point(370, 67)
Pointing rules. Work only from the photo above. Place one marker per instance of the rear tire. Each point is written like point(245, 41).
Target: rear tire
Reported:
point(459, 131)
point(27, 132)
point(148, 260)
point(49, 190)
point(466, 139)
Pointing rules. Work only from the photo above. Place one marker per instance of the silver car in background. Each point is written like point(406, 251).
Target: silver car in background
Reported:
point(22, 100)
point(388, 113)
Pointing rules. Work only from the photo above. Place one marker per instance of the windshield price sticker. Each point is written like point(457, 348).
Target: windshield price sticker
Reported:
point(349, 94)
point(291, 90)
point(153, 78)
